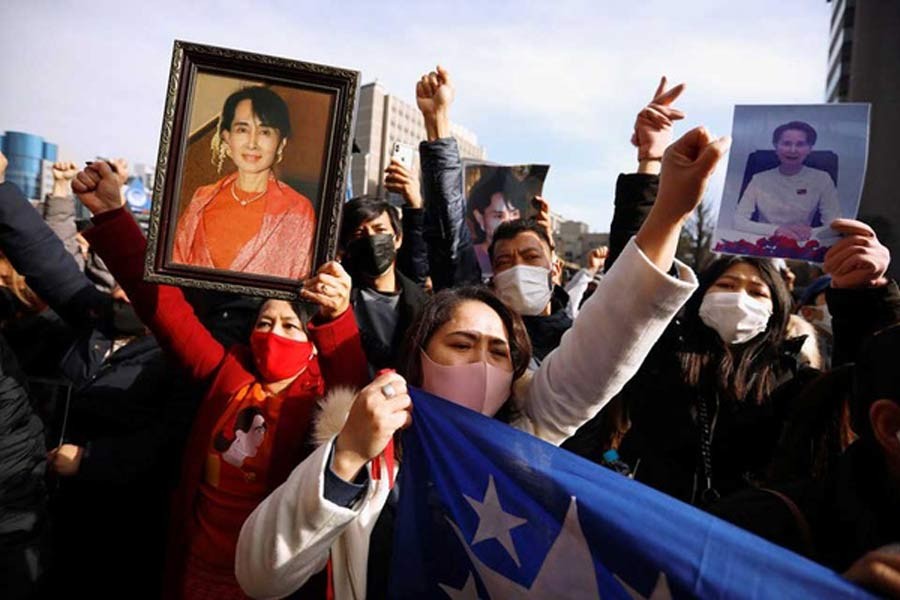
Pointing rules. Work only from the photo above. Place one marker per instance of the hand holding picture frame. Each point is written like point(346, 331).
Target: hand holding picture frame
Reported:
point(252, 165)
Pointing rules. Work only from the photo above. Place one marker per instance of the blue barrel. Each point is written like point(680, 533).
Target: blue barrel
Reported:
point(24, 152)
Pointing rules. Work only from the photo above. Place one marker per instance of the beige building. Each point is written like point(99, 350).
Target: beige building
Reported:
point(383, 119)
point(574, 241)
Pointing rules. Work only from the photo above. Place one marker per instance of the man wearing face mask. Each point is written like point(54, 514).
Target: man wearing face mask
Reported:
point(522, 258)
point(384, 300)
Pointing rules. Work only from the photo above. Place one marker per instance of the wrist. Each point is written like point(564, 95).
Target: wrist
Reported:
point(663, 215)
point(106, 208)
point(60, 188)
point(330, 314)
point(346, 463)
point(414, 199)
point(649, 166)
point(437, 125)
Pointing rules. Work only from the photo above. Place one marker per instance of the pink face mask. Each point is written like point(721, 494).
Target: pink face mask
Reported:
point(478, 386)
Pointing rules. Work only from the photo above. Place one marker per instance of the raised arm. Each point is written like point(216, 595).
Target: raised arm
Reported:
point(611, 338)
point(412, 258)
point(39, 255)
point(59, 209)
point(119, 241)
point(450, 252)
point(861, 299)
point(636, 192)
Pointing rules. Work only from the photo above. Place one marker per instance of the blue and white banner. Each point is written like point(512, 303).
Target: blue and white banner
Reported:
point(487, 511)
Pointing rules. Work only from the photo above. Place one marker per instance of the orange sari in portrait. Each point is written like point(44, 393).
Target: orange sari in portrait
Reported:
point(282, 247)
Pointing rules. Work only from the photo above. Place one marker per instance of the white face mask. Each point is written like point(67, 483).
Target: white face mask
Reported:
point(526, 289)
point(735, 316)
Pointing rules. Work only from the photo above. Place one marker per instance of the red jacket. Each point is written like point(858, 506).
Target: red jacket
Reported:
point(119, 241)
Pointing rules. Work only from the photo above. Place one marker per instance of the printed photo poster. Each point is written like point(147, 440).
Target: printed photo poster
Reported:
point(792, 170)
point(496, 194)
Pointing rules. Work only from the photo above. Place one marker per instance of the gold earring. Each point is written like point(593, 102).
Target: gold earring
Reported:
point(223, 152)
point(280, 154)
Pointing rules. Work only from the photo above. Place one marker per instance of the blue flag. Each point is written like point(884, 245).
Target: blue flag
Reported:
point(486, 511)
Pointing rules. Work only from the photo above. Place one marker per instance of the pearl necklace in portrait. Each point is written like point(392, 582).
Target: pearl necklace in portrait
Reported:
point(248, 200)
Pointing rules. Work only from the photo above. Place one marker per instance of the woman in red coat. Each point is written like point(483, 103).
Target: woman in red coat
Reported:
point(250, 430)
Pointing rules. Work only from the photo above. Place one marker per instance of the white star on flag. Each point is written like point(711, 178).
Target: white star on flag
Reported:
point(493, 522)
point(468, 592)
point(567, 571)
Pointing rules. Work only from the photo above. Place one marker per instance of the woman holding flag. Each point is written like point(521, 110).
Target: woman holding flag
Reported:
point(468, 347)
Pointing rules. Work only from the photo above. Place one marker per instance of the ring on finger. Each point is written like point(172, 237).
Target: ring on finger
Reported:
point(388, 390)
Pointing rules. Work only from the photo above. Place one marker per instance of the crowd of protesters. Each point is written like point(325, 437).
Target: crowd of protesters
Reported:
point(160, 442)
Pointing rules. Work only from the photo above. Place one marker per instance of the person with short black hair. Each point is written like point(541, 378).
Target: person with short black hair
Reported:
point(384, 300)
point(524, 269)
point(791, 200)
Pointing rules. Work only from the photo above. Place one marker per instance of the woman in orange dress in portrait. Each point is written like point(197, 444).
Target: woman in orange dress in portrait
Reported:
point(249, 221)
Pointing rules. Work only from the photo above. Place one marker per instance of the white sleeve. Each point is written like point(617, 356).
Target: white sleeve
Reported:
point(287, 539)
point(745, 208)
point(576, 288)
point(615, 330)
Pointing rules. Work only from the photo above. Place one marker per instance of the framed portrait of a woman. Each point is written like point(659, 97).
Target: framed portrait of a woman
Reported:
point(250, 177)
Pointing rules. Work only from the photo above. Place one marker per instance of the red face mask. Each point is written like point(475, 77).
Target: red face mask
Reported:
point(278, 357)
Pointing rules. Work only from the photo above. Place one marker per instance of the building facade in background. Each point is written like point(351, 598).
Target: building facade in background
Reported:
point(30, 162)
point(383, 119)
point(864, 66)
point(574, 241)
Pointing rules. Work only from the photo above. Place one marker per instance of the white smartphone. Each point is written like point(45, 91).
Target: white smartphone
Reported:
point(403, 154)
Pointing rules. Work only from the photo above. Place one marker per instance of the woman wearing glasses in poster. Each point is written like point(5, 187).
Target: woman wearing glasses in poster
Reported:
point(244, 221)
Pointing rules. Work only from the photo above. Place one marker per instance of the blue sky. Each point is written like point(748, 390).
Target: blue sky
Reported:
point(554, 82)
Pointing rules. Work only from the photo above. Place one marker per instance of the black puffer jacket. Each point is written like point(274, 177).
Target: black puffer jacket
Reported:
point(23, 495)
point(412, 258)
point(451, 255)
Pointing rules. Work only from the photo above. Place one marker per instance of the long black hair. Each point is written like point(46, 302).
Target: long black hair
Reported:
point(739, 372)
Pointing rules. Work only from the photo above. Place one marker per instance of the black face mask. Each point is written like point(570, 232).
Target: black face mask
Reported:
point(371, 256)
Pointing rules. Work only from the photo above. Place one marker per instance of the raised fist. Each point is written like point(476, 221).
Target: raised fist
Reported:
point(686, 168)
point(434, 92)
point(98, 188)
